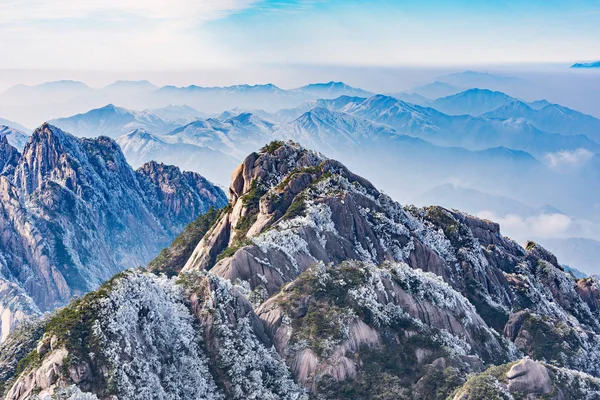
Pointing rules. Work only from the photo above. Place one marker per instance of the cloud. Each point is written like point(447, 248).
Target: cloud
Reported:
point(567, 160)
point(113, 34)
point(191, 11)
point(541, 225)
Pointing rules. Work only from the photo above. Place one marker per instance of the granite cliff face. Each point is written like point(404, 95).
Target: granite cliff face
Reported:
point(313, 284)
point(73, 213)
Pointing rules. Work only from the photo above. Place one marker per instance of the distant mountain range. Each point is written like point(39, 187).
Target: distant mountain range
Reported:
point(15, 137)
point(34, 104)
point(472, 102)
point(13, 125)
point(140, 147)
point(595, 64)
point(476, 150)
point(113, 122)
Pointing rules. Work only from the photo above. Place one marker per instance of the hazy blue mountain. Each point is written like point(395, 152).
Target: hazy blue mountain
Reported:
point(595, 64)
point(127, 87)
point(464, 131)
point(14, 125)
point(179, 114)
point(539, 104)
point(56, 91)
point(477, 79)
point(551, 118)
point(472, 102)
point(15, 137)
point(334, 132)
point(112, 121)
point(140, 147)
point(332, 90)
point(471, 200)
point(235, 136)
point(576, 273)
point(436, 90)
point(413, 98)
point(518, 134)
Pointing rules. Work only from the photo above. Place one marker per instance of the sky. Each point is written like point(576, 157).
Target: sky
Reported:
point(196, 34)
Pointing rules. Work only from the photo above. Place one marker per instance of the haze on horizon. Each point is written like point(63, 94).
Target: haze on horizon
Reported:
point(186, 35)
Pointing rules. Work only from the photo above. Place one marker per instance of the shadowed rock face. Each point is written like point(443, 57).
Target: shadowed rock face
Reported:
point(9, 157)
point(73, 213)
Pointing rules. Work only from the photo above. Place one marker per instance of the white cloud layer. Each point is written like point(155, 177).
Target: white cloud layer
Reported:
point(568, 160)
point(522, 228)
point(193, 11)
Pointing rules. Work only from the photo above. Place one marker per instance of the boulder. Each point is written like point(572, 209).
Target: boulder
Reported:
point(529, 377)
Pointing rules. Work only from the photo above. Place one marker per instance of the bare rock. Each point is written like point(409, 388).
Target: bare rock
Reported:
point(529, 377)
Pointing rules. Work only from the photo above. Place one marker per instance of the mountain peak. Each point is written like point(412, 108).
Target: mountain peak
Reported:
point(270, 165)
point(594, 64)
point(48, 132)
point(125, 84)
point(9, 156)
point(142, 134)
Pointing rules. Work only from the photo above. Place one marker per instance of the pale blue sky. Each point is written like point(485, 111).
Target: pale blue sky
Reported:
point(186, 34)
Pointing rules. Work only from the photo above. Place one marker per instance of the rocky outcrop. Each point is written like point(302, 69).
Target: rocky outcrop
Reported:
point(528, 379)
point(73, 213)
point(323, 321)
point(180, 193)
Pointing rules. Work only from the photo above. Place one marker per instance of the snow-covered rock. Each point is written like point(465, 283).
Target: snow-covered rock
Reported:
point(74, 213)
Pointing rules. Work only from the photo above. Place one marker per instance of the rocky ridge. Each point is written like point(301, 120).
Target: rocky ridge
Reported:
point(73, 213)
point(313, 284)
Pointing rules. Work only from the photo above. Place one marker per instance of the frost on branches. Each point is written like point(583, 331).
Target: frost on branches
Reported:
point(253, 370)
point(150, 339)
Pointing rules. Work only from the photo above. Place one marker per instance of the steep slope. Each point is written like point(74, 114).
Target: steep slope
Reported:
point(145, 337)
point(73, 213)
point(472, 102)
point(320, 285)
point(113, 122)
point(140, 146)
point(15, 137)
point(15, 306)
point(9, 157)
